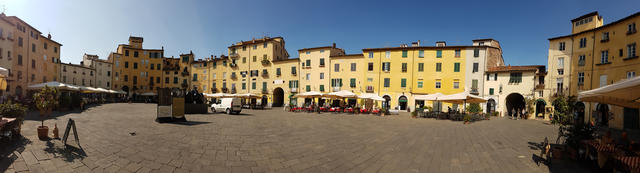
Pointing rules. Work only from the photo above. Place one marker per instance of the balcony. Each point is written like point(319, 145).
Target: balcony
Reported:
point(629, 32)
point(185, 73)
point(336, 89)
point(294, 90)
point(233, 90)
point(293, 73)
point(580, 62)
point(539, 86)
point(265, 62)
point(233, 65)
point(264, 91)
point(214, 90)
point(265, 73)
point(225, 90)
point(474, 91)
point(234, 55)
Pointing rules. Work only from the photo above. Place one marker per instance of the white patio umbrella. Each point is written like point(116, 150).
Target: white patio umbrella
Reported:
point(148, 94)
point(102, 90)
point(310, 94)
point(247, 95)
point(342, 94)
point(429, 97)
point(371, 96)
point(85, 89)
point(624, 93)
point(218, 95)
point(57, 85)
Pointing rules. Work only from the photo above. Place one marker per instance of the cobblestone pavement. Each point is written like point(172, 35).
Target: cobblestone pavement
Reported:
point(125, 138)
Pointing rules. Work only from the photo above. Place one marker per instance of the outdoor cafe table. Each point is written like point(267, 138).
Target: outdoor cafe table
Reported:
point(604, 151)
point(627, 163)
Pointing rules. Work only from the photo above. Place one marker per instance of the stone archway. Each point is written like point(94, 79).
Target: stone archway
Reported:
point(387, 102)
point(278, 97)
point(515, 104)
point(491, 106)
point(125, 89)
point(402, 102)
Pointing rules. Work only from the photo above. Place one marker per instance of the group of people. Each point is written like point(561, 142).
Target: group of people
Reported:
point(518, 114)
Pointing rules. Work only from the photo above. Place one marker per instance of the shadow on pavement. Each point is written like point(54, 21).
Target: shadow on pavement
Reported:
point(9, 151)
point(189, 123)
point(68, 153)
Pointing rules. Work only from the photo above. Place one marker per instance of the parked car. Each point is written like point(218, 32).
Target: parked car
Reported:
point(227, 105)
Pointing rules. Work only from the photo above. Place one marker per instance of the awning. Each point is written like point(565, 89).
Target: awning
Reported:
point(342, 94)
point(56, 85)
point(218, 95)
point(148, 94)
point(247, 95)
point(85, 89)
point(371, 96)
point(462, 97)
point(430, 97)
point(625, 93)
point(310, 94)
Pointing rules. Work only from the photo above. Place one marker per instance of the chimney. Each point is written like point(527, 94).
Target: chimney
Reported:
point(404, 45)
point(49, 36)
point(334, 45)
point(415, 44)
point(441, 43)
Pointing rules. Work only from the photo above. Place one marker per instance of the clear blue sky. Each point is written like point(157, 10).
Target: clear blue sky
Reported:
point(209, 27)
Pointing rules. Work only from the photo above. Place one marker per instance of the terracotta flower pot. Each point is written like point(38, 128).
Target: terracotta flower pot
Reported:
point(43, 132)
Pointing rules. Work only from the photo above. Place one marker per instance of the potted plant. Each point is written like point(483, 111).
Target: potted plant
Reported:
point(414, 114)
point(14, 110)
point(467, 119)
point(45, 101)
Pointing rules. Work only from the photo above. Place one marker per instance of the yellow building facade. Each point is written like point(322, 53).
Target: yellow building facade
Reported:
point(601, 55)
point(136, 69)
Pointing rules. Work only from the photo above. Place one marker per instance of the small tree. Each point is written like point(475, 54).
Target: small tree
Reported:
point(45, 101)
point(475, 108)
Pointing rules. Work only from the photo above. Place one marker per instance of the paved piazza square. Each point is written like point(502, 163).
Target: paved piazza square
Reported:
point(124, 137)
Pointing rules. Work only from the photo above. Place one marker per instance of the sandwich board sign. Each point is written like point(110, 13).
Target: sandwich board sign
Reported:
point(70, 124)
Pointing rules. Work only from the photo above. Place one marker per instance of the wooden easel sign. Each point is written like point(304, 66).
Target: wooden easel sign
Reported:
point(66, 132)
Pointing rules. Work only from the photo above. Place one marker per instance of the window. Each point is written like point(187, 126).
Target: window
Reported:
point(135, 54)
point(308, 62)
point(336, 67)
point(336, 82)
point(33, 47)
point(255, 46)
point(20, 41)
point(126, 64)
point(387, 54)
point(353, 66)
point(604, 58)
point(603, 80)
point(195, 77)
point(560, 71)
point(135, 65)
point(321, 62)
point(605, 37)
point(476, 52)
point(631, 74)
point(475, 67)
point(420, 84)
point(152, 66)
point(583, 42)
point(293, 84)
point(580, 78)
point(456, 84)
point(420, 67)
point(175, 80)
point(308, 88)
point(308, 52)
point(438, 84)
point(369, 79)
point(404, 67)
point(438, 53)
point(321, 75)
point(352, 82)
point(438, 67)
point(421, 54)
point(474, 84)
point(561, 46)
point(491, 91)
point(631, 28)
point(387, 82)
point(19, 59)
point(386, 66)
point(456, 67)
point(561, 62)
point(278, 71)
point(403, 82)
point(404, 53)
point(33, 63)
point(631, 50)
point(264, 45)
point(515, 78)
point(126, 78)
point(255, 58)
point(244, 48)
point(308, 76)
point(370, 54)
point(457, 53)
point(264, 86)
point(488, 77)
point(293, 70)
point(581, 60)
point(370, 66)
point(321, 88)
point(55, 49)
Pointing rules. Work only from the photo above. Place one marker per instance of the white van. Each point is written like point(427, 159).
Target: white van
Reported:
point(227, 105)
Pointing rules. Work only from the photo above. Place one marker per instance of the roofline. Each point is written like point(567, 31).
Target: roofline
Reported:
point(483, 39)
point(583, 16)
point(311, 48)
point(598, 28)
point(26, 24)
point(346, 55)
point(77, 65)
point(261, 40)
point(424, 47)
point(50, 40)
point(534, 68)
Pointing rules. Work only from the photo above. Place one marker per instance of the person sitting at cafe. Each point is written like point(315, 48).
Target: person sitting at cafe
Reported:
point(624, 142)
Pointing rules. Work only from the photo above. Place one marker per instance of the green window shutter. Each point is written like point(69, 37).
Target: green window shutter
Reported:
point(308, 88)
point(420, 67)
point(438, 67)
point(420, 84)
point(353, 82)
point(456, 67)
point(253, 85)
point(439, 54)
point(404, 53)
point(321, 88)
point(490, 91)
point(403, 82)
